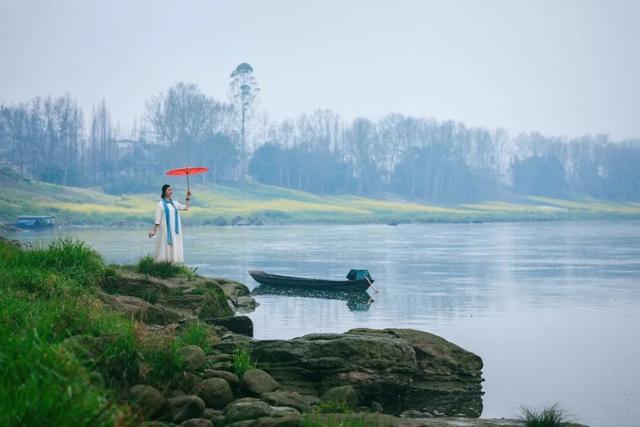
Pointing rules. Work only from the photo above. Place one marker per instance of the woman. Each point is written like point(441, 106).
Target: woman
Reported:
point(169, 241)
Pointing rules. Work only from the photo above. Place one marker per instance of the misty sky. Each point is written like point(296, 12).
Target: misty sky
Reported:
point(560, 67)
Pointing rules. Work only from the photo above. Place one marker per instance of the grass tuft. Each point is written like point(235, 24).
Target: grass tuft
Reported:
point(242, 361)
point(552, 416)
point(164, 270)
point(198, 334)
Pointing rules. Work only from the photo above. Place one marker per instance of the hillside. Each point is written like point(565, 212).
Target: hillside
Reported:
point(275, 205)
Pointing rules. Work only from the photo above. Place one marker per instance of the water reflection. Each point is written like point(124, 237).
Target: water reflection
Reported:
point(356, 301)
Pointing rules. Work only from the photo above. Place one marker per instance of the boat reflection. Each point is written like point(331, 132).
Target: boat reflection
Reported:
point(356, 300)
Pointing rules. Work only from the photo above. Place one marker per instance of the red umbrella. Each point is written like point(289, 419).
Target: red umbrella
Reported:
point(187, 171)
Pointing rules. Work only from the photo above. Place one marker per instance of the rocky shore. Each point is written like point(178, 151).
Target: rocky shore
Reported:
point(390, 377)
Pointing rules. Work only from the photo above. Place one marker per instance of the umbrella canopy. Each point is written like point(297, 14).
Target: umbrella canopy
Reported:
point(187, 171)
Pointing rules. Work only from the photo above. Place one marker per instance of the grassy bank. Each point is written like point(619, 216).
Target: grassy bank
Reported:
point(274, 205)
point(65, 356)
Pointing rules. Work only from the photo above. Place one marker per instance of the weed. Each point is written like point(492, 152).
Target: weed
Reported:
point(242, 361)
point(552, 416)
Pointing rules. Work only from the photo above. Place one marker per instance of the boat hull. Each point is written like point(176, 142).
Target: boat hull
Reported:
point(276, 280)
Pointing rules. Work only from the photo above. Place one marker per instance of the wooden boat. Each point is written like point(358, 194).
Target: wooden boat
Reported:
point(35, 221)
point(360, 282)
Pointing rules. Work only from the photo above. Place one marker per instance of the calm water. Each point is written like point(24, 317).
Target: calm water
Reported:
point(552, 308)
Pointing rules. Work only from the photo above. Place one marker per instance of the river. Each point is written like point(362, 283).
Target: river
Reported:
point(552, 308)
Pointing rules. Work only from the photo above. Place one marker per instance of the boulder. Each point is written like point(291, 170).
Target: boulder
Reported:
point(229, 377)
point(185, 382)
point(256, 381)
point(246, 304)
point(193, 357)
point(283, 411)
point(183, 408)
point(345, 394)
point(245, 409)
point(216, 417)
point(401, 369)
point(231, 342)
point(286, 398)
point(139, 309)
point(233, 290)
point(216, 393)
point(197, 422)
point(238, 324)
point(148, 399)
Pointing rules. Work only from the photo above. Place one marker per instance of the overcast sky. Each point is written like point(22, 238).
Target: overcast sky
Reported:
point(560, 67)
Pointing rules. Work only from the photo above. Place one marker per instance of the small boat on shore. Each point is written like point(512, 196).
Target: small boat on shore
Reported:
point(35, 221)
point(357, 280)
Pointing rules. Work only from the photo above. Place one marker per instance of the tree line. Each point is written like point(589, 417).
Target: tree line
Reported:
point(397, 155)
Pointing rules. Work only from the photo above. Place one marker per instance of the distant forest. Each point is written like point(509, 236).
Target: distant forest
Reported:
point(414, 158)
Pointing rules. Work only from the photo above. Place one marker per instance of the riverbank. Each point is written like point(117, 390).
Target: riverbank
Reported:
point(256, 204)
point(152, 342)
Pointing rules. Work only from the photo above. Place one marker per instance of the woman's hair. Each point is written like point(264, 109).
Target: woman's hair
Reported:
point(164, 190)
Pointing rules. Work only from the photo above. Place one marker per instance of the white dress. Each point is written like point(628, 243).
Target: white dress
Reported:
point(166, 252)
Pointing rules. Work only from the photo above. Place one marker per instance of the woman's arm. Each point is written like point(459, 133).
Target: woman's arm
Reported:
point(154, 230)
point(156, 222)
point(187, 201)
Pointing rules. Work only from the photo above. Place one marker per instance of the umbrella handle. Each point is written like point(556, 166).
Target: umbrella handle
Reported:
point(188, 187)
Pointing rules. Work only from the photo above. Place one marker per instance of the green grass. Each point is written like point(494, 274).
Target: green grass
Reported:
point(65, 357)
point(242, 361)
point(552, 416)
point(279, 205)
point(164, 270)
point(332, 420)
point(197, 333)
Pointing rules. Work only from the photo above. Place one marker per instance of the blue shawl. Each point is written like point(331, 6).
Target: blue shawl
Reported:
point(166, 219)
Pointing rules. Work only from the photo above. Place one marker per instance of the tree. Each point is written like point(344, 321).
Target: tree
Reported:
point(244, 90)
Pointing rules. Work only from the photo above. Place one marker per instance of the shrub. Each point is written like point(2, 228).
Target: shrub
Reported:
point(242, 361)
point(552, 416)
point(198, 334)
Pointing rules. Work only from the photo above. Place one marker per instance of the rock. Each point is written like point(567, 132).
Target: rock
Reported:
point(186, 382)
point(238, 324)
point(286, 398)
point(139, 309)
point(401, 369)
point(198, 296)
point(176, 393)
point(158, 424)
point(193, 357)
point(148, 399)
point(256, 381)
point(232, 289)
point(216, 393)
point(231, 342)
point(345, 394)
point(229, 377)
point(283, 411)
point(216, 417)
point(197, 422)
point(376, 407)
point(186, 407)
point(242, 409)
point(246, 304)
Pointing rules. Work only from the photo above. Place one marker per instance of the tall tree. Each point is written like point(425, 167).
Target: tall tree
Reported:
point(244, 90)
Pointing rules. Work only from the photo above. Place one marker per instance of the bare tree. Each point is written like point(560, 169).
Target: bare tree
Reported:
point(244, 90)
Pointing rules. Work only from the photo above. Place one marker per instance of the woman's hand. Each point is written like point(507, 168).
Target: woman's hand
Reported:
point(152, 233)
point(188, 195)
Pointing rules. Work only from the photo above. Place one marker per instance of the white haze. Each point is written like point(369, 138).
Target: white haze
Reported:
point(559, 67)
